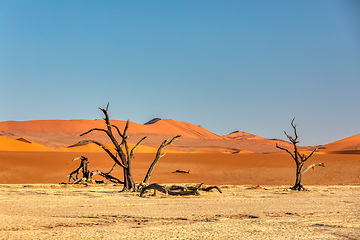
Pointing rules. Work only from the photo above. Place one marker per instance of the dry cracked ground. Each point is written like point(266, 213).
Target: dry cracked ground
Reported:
point(240, 212)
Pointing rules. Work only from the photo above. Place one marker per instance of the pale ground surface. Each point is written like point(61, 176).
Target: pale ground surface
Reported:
point(241, 212)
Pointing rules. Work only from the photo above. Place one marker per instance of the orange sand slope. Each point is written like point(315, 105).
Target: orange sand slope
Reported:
point(162, 126)
point(238, 135)
point(210, 168)
point(346, 145)
point(21, 144)
point(60, 134)
point(63, 133)
point(41, 152)
point(91, 147)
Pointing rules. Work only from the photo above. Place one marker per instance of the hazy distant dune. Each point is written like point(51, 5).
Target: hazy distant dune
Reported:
point(60, 134)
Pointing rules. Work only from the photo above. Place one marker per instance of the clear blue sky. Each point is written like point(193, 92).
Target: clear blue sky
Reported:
point(225, 65)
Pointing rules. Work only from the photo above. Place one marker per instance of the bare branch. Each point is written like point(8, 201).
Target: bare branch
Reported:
point(126, 128)
point(117, 129)
point(295, 131)
point(106, 150)
point(107, 176)
point(94, 129)
point(170, 141)
point(290, 137)
point(310, 154)
point(158, 156)
point(207, 189)
point(285, 150)
point(112, 169)
point(133, 149)
point(312, 166)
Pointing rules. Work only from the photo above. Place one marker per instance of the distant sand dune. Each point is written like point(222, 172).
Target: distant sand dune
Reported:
point(60, 134)
point(347, 144)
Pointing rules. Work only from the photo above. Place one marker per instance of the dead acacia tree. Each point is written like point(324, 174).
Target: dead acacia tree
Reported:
point(124, 154)
point(87, 175)
point(83, 167)
point(299, 159)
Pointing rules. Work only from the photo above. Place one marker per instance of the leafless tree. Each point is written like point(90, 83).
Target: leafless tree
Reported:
point(83, 167)
point(87, 175)
point(124, 154)
point(299, 159)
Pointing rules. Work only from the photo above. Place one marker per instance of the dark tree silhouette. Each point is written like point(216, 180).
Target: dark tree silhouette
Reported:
point(87, 175)
point(299, 159)
point(124, 154)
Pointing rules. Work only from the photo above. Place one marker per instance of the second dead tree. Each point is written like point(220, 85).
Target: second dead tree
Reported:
point(87, 175)
point(83, 168)
point(299, 159)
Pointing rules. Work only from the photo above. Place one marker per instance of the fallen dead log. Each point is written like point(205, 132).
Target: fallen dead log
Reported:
point(181, 171)
point(106, 176)
point(208, 189)
point(176, 190)
point(186, 191)
point(154, 186)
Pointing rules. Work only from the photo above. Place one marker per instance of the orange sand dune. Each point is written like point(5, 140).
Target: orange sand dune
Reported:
point(63, 133)
point(57, 134)
point(347, 144)
point(64, 126)
point(163, 126)
point(209, 168)
point(81, 148)
point(8, 144)
point(184, 129)
point(91, 147)
point(208, 151)
point(238, 135)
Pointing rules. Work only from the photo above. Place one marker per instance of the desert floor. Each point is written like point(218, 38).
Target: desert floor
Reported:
point(241, 212)
point(208, 168)
point(34, 206)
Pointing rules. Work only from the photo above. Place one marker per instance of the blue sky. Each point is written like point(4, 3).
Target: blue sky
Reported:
point(225, 65)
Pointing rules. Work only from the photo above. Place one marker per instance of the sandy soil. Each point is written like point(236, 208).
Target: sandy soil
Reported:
point(240, 212)
point(207, 168)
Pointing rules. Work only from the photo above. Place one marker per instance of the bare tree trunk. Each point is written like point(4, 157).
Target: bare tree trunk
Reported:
point(298, 186)
point(129, 183)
